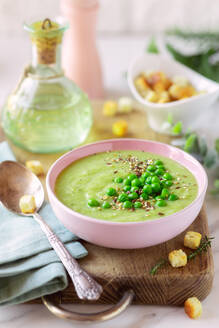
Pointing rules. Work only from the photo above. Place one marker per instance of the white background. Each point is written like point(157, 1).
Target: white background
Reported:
point(120, 15)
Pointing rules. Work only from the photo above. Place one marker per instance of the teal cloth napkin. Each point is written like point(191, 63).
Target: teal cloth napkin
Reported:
point(29, 268)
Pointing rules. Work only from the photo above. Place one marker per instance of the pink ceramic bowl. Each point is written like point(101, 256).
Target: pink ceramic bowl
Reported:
point(127, 234)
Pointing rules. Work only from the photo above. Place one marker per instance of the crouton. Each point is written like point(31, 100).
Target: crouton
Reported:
point(193, 307)
point(192, 239)
point(177, 258)
point(27, 204)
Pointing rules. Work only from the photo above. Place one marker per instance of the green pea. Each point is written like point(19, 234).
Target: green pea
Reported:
point(118, 180)
point(126, 188)
point(158, 162)
point(164, 193)
point(167, 183)
point(133, 195)
point(161, 167)
point(145, 175)
point(151, 168)
point(155, 179)
point(158, 197)
point(122, 197)
point(134, 188)
point(161, 203)
point(127, 204)
point(131, 177)
point(137, 205)
point(136, 182)
point(106, 205)
point(127, 182)
point(155, 187)
point(111, 192)
point(167, 176)
point(173, 197)
point(144, 196)
point(93, 202)
point(148, 180)
point(142, 181)
point(159, 172)
point(147, 189)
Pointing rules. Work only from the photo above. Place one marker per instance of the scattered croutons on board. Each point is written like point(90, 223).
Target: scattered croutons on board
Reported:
point(177, 258)
point(192, 239)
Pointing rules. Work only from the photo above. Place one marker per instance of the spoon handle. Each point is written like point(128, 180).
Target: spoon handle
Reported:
point(86, 287)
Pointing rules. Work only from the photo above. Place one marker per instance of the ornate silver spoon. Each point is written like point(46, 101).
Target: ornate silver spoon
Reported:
point(16, 181)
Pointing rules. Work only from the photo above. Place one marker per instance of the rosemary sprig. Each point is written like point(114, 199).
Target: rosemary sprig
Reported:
point(204, 245)
point(157, 266)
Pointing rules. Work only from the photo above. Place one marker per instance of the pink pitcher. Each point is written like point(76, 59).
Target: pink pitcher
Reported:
point(80, 57)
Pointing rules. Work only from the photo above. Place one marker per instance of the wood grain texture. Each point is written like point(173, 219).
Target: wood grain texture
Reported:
point(119, 270)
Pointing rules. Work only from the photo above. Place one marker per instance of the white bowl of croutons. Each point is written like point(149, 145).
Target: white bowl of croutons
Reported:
point(170, 91)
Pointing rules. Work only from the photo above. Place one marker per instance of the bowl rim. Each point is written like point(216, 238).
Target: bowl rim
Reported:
point(111, 223)
point(173, 103)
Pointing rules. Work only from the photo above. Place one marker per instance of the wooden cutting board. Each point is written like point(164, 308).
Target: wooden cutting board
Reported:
point(120, 270)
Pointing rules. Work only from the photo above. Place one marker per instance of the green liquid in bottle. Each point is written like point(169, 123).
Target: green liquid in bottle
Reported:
point(52, 122)
point(47, 113)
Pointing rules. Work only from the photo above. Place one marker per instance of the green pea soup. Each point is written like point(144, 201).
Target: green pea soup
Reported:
point(91, 177)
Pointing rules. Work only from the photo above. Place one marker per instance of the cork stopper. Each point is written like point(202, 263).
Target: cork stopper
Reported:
point(46, 35)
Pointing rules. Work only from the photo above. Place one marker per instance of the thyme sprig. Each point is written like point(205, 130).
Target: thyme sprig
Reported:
point(204, 245)
point(157, 266)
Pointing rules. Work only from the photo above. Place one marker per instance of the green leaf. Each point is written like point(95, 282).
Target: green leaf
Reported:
point(190, 35)
point(152, 47)
point(188, 133)
point(215, 191)
point(170, 118)
point(177, 128)
point(203, 148)
point(197, 156)
point(217, 145)
point(190, 61)
point(216, 184)
point(209, 159)
point(199, 63)
point(191, 144)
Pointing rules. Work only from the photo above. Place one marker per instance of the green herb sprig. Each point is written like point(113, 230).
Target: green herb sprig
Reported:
point(197, 146)
point(152, 47)
point(158, 266)
point(215, 191)
point(204, 245)
point(204, 56)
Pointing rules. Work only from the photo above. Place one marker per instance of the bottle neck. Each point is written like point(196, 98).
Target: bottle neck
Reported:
point(46, 62)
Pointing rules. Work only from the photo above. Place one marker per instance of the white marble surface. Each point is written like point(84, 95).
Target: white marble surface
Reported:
point(116, 54)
